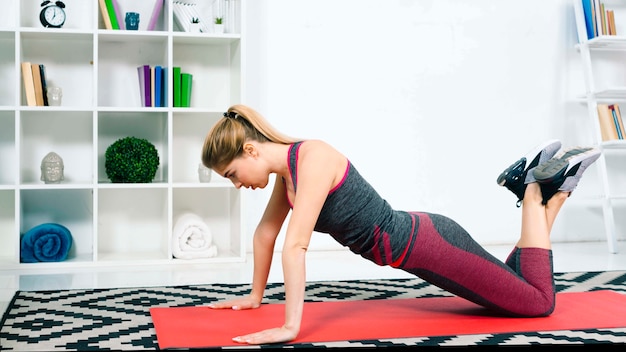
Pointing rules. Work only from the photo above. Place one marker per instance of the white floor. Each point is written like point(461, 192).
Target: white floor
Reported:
point(332, 265)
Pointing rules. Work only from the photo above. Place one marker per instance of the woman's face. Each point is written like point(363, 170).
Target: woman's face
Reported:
point(246, 171)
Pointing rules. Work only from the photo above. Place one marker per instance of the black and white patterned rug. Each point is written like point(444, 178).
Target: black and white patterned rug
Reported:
point(119, 319)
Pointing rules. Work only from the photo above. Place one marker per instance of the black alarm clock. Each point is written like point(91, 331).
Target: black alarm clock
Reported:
point(52, 15)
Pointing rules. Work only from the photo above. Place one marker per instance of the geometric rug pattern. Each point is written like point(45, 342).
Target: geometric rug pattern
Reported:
point(119, 318)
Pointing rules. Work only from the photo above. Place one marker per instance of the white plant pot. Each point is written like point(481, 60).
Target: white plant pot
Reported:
point(194, 27)
point(218, 28)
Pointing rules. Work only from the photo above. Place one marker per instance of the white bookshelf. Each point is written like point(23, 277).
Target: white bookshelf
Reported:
point(114, 224)
point(602, 59)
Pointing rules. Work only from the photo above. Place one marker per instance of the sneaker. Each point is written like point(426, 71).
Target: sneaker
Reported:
point(519, 174)
point(563, 172)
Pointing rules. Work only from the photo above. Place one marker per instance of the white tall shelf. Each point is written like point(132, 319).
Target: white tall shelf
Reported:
point(602, 61)
point(114, 224)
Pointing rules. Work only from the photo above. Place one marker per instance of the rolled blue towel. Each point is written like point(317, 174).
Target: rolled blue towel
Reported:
point(45, 243)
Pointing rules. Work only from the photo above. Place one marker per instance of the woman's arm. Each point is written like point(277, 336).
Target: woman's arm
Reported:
point(265, 237)
point(263, 248)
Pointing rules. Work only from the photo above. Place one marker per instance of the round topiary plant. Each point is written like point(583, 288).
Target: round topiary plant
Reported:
point(131, 160)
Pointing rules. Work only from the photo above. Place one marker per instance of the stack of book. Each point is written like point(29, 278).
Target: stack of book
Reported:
point(182, 87)
point(598, 20)
point(611, 123)
point(35, 86)
point(153, 86)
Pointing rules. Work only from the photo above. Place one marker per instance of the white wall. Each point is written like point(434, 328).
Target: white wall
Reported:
point(430, 100)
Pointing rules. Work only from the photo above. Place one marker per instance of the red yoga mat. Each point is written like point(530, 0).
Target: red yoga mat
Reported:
point(197, 327)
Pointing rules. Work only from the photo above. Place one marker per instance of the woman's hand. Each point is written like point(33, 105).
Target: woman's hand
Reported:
point(275, 335)
point(237, 304)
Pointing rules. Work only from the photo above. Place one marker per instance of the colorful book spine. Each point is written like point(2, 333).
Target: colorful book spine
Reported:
point(37, 84)
point(29, 86)
point(590, 22)
point(118, 14)
point(158, 86)
point(44, 84)
point(186, 80)
point(616, 121)
point(176, 73)
point(105, 14)
point(112, 14)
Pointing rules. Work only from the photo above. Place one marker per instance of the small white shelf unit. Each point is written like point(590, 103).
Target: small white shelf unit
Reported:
point(603, 70)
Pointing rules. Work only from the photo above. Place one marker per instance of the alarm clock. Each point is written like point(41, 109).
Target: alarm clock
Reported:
point(52, 15)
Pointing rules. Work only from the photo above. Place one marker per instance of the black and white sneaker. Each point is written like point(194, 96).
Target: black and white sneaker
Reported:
point(520, 173)
point(563, 172)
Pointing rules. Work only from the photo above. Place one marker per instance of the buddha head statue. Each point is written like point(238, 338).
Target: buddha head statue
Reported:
point(52, 168)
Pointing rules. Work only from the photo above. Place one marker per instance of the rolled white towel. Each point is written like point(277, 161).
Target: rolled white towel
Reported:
point(191, 238)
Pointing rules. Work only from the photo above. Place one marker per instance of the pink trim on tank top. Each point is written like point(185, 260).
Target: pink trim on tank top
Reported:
point(343, 179)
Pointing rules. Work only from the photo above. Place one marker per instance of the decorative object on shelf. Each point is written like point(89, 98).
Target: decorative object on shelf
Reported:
point(131, 160)
point(52, 168)
point(184, 11)
point(54, 94)
point(49, 242)
point(191, 238)
point(132, 21)
point(218, 26)
point(52, 15)
point(194, 26)
point(204, 173)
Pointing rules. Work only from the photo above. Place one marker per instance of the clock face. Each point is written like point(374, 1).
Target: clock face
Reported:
point(53, 16)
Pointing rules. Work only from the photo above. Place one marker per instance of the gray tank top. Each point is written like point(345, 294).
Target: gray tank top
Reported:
point(356, 216)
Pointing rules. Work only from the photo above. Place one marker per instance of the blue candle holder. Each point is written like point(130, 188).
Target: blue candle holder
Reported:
point(132, 21)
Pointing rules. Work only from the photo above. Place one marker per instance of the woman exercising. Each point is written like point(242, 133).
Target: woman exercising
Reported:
point(326, 193)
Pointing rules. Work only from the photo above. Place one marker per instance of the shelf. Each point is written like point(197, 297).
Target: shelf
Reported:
point(605, 42)
point(614, 145)
point(113, 223)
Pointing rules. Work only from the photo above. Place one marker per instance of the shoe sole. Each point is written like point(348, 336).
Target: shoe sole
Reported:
point(559, 166)
point(534, 153)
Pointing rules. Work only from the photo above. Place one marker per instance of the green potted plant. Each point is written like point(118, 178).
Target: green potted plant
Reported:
point(218, 26)
point(131, 160)
point(194, 26)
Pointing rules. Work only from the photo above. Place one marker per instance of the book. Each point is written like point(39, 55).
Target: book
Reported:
point(147, 83)
point(176, 73)
point(29, 85)
point(165, 88)
point(158, 86)
point(152, 86)
point(617, 117)
point(143, 75)
point(589, 18)
point(44, 84)
point(37, 84)
point(105, 14)
point(608, 129)
point(156, 13)
point(186, 80)
point(610, 14)
point(142, 85)
point(118, 14)
point(112, 15)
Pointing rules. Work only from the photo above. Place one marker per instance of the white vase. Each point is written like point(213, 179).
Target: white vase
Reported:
point(194, 27)
point(218, 28)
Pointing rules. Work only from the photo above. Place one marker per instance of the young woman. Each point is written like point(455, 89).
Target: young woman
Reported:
point(325, 193)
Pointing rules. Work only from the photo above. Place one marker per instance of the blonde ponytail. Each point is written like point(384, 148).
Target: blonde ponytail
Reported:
point(225, 140)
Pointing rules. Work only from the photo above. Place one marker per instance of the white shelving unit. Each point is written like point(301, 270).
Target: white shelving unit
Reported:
point(114, 224)
point(605, 82)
